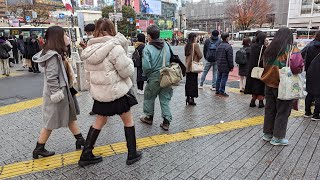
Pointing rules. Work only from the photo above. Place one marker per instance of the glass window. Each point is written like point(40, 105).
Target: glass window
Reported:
point(306, 6)
point(316, 7)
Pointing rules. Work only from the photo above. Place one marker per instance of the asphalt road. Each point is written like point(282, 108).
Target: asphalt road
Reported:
point(29, 86)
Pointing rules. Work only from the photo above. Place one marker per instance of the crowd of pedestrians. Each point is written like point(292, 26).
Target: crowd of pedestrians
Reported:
point(21, 51)
point(109, 74)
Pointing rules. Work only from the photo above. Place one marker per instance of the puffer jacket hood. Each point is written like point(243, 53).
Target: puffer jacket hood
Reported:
point(157, 43)
point(108, 68)
point(106, 44)
point(42, 57)
point(214, 38)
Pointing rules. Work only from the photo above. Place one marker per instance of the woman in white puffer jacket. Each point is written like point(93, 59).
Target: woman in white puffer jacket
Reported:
point(108, 73)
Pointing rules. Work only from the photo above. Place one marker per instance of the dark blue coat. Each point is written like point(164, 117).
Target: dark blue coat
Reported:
point(224, 56)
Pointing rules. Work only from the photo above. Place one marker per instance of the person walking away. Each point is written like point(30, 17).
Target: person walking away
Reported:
point(242, 59)
point(5, 48)
point(312, 67)
point(277, 111)
point(225, 65)
point(21, 49)
point(15, 57)
point(33, 48)
point(193, 53)
point(59, 105)
point(209, 52)
point(256, 87)
point(89, 30)
point(139, 46)
point(109, 76)
point(154, 54)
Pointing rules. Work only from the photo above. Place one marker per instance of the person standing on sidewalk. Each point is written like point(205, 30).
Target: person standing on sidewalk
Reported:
point(33, 48)
point(256, 87)
point(152, 61)
point(225, 65)
point(277, 111)
point(312, 67)
point(243, 66)
point(21, 48)
point(5, 48)
point(139, 46)
point(59, 105)
point(15, 55)
point(193, 53)
point(109, 76)
point(209, 52)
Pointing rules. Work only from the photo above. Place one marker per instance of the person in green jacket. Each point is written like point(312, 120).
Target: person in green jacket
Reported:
point(152, 62)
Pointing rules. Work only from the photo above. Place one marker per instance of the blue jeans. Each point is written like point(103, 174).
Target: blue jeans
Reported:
point(221, 82)
point(214, 73)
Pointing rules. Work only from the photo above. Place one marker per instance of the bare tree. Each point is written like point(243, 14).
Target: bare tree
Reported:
point(22, 9)
point(247, 13)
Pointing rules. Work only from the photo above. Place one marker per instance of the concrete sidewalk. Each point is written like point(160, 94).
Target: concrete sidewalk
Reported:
point(220, 138)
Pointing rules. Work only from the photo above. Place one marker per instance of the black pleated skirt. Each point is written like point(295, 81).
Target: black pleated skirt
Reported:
point(116, 107)
point(191, 86)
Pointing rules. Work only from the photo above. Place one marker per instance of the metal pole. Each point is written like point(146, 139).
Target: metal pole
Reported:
point(73, 37)
point(114, 15)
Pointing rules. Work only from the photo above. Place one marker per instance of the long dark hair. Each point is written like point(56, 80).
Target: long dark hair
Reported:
point(279, 44)
point(188, 48)
point(55, 40)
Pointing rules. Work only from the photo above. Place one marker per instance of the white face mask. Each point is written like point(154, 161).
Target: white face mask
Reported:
point(66, 40)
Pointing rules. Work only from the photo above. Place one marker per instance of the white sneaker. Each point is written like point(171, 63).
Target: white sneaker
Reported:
point(140, 92)
point(212, 88)
point(200, 87)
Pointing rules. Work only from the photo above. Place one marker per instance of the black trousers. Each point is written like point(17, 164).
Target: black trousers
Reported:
point(277, 113)
point(140, 85)
point(35, 66)
point(308, 102)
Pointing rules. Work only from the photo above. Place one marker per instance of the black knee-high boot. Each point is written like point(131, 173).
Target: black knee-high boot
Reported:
point(133, 154)
point(87, 156)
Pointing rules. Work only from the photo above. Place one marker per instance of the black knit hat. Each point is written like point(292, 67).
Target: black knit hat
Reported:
point(141, 37)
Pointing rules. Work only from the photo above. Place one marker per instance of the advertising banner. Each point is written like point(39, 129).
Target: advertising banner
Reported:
point(150, 7)
point(135, 4)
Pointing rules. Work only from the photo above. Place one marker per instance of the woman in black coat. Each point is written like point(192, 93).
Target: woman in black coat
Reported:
point(140, 78)
point(33, 48)
point(312, 66)
point(243, 68)
point(255, 86)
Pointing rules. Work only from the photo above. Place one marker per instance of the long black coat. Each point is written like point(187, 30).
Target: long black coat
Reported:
point(244, 68)
point(140, 77)
point(254, 86)
point(312, 68)
point(32, 49)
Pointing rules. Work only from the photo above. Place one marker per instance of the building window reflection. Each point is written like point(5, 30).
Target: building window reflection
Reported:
point(306, 6)
point(316, 7)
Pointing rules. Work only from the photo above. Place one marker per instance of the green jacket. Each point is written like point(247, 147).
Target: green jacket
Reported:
point(152, 60)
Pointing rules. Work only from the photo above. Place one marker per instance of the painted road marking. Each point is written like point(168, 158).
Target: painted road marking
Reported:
point(13, 74)
point(12, 108)
point(62, 160)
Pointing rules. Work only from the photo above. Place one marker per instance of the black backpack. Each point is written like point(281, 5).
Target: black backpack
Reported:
point(211, 52)
point(4, 49)
point(241, 56)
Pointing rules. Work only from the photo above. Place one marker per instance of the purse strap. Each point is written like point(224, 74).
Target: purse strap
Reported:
point(260, 55)
point(164, 57)
point(192, 51)
point(289, 56)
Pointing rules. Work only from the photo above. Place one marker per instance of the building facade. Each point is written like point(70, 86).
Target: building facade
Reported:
point(280, 11)
point(207, 15)
point(2, 8)
point(304, 14)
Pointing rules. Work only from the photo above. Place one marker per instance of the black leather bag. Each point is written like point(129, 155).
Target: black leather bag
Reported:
point(131, 98)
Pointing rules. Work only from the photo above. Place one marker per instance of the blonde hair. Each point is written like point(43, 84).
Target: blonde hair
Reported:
point(104, 27)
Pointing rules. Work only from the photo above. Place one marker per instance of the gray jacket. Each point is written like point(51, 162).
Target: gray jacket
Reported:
point(58, 104)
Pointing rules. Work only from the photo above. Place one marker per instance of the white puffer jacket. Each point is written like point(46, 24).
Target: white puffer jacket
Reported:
point(108, 67)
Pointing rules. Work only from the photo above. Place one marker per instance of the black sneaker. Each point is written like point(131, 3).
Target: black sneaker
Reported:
point(224, 94)
point(315, 118)
point(308, 115)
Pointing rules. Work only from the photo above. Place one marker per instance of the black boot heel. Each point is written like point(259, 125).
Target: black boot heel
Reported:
point(41, 151)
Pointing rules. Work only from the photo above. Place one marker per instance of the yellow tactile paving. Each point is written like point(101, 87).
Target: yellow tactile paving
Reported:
point(20, 106)
point(13, 74)
point(61, 160)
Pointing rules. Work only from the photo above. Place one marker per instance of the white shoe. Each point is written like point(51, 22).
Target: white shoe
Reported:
point(140, 92)
point(212, 88)
point(200, 87)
